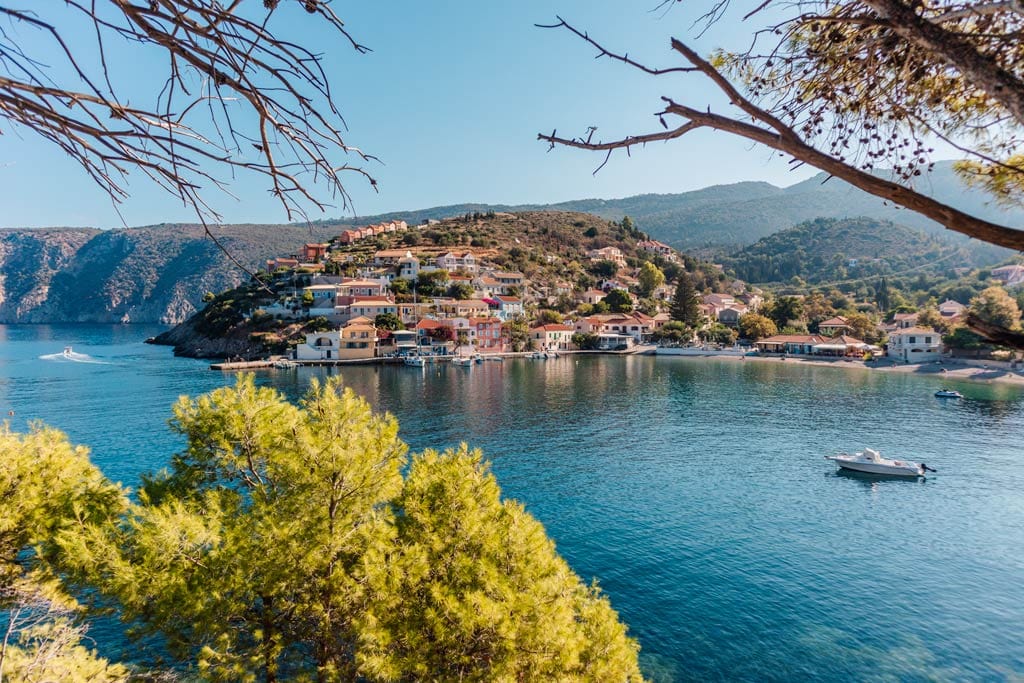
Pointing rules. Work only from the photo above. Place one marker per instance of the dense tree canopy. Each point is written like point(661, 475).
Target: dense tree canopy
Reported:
point(284, 543)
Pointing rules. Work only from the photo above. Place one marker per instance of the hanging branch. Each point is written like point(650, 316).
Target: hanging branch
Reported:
point(264, 105)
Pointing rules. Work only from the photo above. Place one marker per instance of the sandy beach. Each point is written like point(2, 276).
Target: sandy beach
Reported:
point(952, 369)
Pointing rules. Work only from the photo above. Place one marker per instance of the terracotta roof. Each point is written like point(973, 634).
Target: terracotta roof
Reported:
point(834, 322)
point(551, 327)
point(428, 324)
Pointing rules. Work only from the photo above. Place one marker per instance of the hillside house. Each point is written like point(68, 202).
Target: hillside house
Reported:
point(613, 254)
point(950, 309)
point(1010, 276)
point(463, 261)
point(834, 326)
point(730, 315)
point(313, 252)
point(508, 307)
point(592, 296)
point(904, 321)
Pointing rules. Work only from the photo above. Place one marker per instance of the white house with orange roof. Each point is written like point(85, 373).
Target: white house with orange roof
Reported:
point(915, 345)
point(552, 337)
point(592, 296)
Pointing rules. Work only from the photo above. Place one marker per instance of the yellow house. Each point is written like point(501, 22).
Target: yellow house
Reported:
point(357, 340)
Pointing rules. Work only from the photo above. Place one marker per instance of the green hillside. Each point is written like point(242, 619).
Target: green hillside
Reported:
point(728, 216)
point(833, 250)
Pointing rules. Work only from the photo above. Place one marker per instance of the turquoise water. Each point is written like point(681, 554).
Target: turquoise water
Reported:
point(693, 490)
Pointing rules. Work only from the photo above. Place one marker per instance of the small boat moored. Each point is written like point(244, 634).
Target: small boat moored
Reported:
point(872, 462)
point(416, 361)
point(462, 362)
point(948, 393)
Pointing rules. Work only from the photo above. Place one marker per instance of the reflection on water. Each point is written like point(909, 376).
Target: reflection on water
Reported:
point(694, 490)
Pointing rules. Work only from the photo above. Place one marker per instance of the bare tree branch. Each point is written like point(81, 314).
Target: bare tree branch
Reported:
point(767, 128)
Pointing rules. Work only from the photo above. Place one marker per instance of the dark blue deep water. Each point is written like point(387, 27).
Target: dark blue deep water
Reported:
point(694, 491)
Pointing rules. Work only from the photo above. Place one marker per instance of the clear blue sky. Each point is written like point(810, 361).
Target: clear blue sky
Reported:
point(451, 100)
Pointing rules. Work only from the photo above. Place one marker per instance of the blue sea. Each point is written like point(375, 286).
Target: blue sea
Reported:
point(693, 490)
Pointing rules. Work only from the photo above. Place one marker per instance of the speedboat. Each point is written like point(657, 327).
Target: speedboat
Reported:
point(415, 361)
point(872, 462)
point(948, 393)
point(67, 352)
point(463, 362)
point(285, 364)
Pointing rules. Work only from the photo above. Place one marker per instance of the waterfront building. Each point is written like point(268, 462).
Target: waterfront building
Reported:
point(357, 340)
point(915, 345)
point(552, 337)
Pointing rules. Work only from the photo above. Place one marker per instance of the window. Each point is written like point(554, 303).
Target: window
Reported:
point(927, 340)
point(913, 340)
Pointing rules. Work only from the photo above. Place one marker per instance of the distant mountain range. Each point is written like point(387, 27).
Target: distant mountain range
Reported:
point(159, 273)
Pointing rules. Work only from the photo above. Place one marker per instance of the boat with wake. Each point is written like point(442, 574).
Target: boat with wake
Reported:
point(872, 462)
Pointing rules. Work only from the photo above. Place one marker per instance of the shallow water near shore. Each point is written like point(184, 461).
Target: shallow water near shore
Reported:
point(694, 490)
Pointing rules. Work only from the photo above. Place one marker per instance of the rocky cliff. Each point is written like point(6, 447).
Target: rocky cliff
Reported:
point(155, 274)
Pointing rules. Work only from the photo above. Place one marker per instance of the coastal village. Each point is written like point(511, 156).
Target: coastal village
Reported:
point(383, 291)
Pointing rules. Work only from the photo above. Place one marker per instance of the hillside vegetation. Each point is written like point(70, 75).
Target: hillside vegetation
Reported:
point(832, 250)
point(739, 214)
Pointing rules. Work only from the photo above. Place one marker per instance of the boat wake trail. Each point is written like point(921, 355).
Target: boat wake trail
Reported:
point(73, 357)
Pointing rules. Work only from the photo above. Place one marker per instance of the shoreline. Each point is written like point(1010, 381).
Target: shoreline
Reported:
point(948, 369)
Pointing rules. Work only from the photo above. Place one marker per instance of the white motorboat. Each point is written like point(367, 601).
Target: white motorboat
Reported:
point(948, 393)
point(872, 462)
point(462, 362)
point(67, 352)
point(285, 364)
point(416, 361)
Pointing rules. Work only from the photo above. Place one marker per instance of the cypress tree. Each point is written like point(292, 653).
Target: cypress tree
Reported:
point(684, 304)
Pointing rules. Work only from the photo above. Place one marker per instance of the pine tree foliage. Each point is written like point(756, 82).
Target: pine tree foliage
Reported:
point(478, 592)
point(284, 544)
point(48, 490)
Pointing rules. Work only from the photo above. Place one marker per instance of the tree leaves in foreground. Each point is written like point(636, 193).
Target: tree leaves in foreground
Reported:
point(284, 544)
point(48, 491)
point(478, 593)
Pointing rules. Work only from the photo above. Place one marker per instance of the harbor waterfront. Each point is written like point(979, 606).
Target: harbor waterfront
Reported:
point(693, 489)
